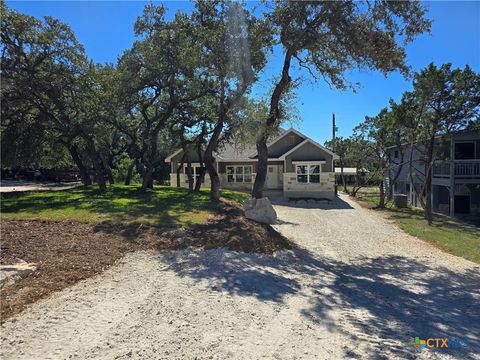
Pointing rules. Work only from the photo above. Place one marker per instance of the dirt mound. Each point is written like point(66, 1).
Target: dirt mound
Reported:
point(235, 232)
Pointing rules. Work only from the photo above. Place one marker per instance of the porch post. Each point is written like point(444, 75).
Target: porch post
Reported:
point(452, 199)
point(432, 195)
point(452, 178)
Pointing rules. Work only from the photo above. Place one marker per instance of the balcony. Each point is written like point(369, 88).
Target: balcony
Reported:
point(463, 169)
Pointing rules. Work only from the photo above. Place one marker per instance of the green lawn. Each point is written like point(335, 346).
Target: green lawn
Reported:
point(450, 235)
point(163, 205)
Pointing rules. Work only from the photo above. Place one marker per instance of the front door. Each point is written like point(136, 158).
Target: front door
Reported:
point(273, 175)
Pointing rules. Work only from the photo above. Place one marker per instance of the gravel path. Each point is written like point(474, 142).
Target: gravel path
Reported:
point(7, 186)
point(355, 287)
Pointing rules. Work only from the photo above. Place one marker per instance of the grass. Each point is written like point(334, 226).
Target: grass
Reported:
point(450, 235)
point(162, 206)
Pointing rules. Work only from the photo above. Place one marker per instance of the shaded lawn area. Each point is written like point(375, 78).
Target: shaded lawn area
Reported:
point(450, 235)
point(162, 206)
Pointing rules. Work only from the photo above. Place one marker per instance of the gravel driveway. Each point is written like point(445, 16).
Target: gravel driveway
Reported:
point(354, 287)
point(7, 186)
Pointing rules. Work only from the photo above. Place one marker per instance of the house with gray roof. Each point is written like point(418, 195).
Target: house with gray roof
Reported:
point(298, 167)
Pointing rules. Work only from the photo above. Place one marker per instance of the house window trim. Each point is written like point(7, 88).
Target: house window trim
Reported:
point(308, 172)
point(194, 166)
point(235, 174)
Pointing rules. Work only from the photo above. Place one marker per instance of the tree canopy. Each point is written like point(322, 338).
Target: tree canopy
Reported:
point(187, 81)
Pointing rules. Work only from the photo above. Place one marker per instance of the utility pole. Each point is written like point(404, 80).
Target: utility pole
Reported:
point(334, 129)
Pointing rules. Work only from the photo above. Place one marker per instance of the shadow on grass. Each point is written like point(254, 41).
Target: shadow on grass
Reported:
point(384, 302)
point(160, 206)
point(439, 221)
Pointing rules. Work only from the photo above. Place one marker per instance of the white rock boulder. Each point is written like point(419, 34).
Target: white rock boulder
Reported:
point(9, 274)
point(260, 210)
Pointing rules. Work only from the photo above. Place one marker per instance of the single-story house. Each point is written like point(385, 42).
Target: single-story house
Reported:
point(347, 171)
point(297, 166)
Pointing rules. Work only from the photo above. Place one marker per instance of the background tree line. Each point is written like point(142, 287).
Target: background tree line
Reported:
point(185, 82)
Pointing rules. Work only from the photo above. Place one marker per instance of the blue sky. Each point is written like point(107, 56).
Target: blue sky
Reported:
point(105, 28)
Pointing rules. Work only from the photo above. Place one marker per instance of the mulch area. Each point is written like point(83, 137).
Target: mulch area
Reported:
point(234, 232)
point(67, 252)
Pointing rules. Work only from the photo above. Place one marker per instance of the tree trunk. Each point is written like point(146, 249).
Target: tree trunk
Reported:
point(147, 180)
point(428, 179)
point(428, 195)
point(128, 178)
point(147, 175)
point(179, 170)
point(390, 186)
point(381, 203)
point(200, 179)
point(86, 180)
point(208, 159)
point(215, 187)
point(100, 175)
point(97, 164)
point(201, 176)
point(393, 179)
point(214, 178)
point(342, 175)
point(108, 171)
point(102, 185)
point(271, 122)
point(261, 177)
point(344, 182)
point(356, 186)
point(190, 175)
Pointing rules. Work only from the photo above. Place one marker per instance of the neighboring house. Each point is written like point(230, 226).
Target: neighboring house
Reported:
point(456, 174)
point(349, 173)
point(297, 166)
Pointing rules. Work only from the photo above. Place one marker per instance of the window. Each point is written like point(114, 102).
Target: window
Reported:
point(464, 150)
point(395, 154)
point(196, 171)
point(399, 187)
point(239, 174)
point(247, 174)
point(308, 173)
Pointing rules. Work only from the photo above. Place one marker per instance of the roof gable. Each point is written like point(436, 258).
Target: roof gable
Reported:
point(279, 138)
point(308, 140)
point(298, 145)
point(232, 152)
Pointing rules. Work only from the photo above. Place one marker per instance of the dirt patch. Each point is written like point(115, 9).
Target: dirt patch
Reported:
point(64, 252)
point(233, 231)
point(67, 252)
